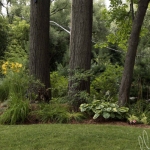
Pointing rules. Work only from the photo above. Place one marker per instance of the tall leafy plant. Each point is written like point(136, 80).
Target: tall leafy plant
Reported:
point(107, 81)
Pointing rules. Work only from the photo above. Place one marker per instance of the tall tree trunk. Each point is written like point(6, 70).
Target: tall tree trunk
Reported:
point(126, 81)
point(39, 41)
point(80, 46)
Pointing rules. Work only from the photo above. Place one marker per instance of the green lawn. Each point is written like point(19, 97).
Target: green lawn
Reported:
point(69, 137)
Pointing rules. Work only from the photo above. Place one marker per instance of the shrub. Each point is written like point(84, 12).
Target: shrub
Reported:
point(59, 85)
point(107, 81)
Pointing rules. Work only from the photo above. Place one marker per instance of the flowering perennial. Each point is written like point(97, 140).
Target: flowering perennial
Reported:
point(11, 66)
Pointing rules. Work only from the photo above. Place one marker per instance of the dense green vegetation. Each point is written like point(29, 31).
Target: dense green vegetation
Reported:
point(111, 30)
point(31, 118)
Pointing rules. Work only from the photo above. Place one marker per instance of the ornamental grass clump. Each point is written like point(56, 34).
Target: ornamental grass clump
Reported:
point(16, 112)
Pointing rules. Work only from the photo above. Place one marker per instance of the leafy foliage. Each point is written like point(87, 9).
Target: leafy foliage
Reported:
point(59, 85)
point(18, 42)
point(78, 81)
point(15, 86)
point(52, 113)
point(107, 81)
point(105, 109)
point(139, 111)
point(59, 39)
point(3, 36)
point(17, 111)
point(4, 89)
point(16, 83)
point(57, 113)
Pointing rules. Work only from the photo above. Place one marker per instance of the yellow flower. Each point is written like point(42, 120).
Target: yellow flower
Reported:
point(20, 65)
point(4, 72)
point(6, 63)
point(3, 67)
point(12, 65)
point(16, 65)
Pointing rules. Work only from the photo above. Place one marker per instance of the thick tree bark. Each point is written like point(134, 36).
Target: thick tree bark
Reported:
point(39, 41)
point(80, 45)
point(124, 90)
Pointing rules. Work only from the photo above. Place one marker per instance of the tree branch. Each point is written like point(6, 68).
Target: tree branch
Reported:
point(58, 9)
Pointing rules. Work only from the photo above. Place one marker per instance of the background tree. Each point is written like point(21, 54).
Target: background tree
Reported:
point(3, 36)
point(18, 39)
point(39, 41)
point(141, 79)
point(131, 53)
point(80, 48)
point(59, 44)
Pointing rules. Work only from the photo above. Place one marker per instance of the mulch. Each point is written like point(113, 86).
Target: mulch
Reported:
point(111, 122)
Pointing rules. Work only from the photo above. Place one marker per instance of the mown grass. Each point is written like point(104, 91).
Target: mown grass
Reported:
point(69, 137)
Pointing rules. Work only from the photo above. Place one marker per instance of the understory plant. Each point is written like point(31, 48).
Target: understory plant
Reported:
point(78, 87)
point(105, 109)
point(16, 81)
point(18, 106)
point(143, 119)
point(57, 113)
point(4, 89)
point(107, 81)
point(140, 112)
point(59, 85)
point(15, 85)
point(16, 112)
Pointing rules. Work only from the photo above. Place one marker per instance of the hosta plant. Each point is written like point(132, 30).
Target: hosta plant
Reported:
point(105, 109)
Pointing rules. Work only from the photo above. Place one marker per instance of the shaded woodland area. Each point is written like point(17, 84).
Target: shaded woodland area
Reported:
point(64, 61)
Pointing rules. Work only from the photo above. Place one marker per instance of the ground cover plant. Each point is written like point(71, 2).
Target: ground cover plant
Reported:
point(70, 137)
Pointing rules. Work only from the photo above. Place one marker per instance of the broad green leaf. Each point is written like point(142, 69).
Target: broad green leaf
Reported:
point(109, 109)
point(114, 110)
point(123, 109)
point(112, 115)
point(99, 107)
point(96, 116)
point(106, 115)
